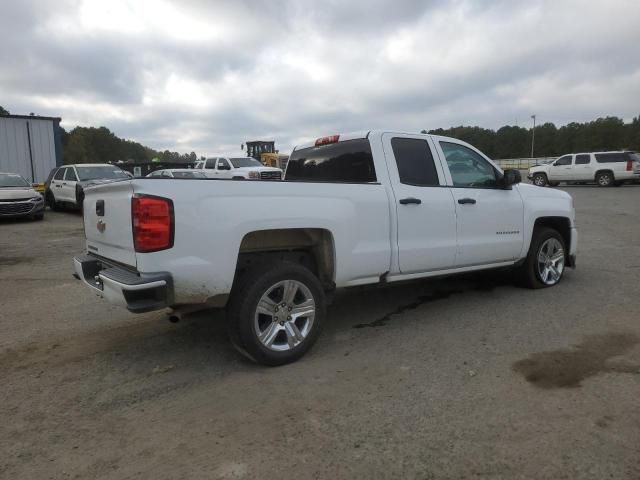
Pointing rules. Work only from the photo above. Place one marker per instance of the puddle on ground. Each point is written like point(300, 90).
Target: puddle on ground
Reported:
point(567, 368)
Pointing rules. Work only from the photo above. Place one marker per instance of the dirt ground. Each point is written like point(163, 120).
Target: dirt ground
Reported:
point(463, 378)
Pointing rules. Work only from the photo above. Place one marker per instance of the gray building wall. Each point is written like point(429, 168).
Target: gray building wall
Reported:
point(30, 145)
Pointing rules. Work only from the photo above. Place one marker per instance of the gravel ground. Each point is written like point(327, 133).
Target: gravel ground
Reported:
point(462, 378)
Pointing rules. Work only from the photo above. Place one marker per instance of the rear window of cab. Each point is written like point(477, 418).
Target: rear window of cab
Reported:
point(349, 161)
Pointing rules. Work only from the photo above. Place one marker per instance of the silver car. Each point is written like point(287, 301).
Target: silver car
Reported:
point(18, 198)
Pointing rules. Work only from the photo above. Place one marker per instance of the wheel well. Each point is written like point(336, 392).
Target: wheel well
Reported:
point(604, 170)
point(311, 247)
point(560, 224)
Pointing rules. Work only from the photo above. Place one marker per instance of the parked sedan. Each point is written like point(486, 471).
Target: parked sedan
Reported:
point(18, 198)
point(177, 173)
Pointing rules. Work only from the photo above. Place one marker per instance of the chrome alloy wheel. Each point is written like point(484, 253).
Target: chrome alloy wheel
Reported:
point(539, 181)
point(284, 315)
point(550, 261)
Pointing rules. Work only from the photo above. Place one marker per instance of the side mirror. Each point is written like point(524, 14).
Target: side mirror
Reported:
point(511, 177)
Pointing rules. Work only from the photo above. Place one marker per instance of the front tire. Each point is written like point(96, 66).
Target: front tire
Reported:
point(539, 180)
point(546, 260)
point(276, 312)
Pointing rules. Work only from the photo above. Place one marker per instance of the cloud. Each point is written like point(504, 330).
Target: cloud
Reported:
point(207, 76)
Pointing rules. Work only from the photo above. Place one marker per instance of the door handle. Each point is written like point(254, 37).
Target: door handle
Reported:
point(64, 183)
point(58, 186)
point(464, 201)
point(407, 201)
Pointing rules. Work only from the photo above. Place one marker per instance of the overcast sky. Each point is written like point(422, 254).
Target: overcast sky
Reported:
point(209, 75)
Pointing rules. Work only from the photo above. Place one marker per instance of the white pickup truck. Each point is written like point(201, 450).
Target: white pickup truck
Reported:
point(237, 168)
point(366, 208)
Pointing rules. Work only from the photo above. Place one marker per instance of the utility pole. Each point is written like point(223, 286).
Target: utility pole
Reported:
point(533, 134)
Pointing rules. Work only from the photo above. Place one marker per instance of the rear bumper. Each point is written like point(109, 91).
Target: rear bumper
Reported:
point(137, 292)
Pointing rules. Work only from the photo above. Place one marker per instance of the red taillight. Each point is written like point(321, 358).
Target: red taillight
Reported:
point(152, 220)
point(327, 140)
point(629, 165)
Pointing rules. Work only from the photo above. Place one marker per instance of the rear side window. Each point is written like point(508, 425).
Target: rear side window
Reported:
point(71, 175)
point(349, 161)
point(611, 157)
point(60, 174)
point(211, 163)
point(583, 159)
point(415, 162)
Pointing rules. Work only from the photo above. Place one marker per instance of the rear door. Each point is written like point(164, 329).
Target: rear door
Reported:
point(582, 167)
point(489, 218)
point(560, 170)
point(69, 185)
point(107, 222)
point(426, 231)
point(56, 184)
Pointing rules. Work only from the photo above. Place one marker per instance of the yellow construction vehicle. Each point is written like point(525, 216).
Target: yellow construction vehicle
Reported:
point(265, 152)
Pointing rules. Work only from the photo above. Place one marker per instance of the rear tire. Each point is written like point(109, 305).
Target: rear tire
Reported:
point(540, 180)
point(604, 179)
point(546, 260)
point(275, 312)
point(51, 201)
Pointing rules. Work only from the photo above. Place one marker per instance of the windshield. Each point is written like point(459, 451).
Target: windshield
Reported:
point(92, 173)
point(189, 175)
point(12, 180)
point(245, 162)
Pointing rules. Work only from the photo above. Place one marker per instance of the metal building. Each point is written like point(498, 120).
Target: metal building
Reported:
point(30, 145)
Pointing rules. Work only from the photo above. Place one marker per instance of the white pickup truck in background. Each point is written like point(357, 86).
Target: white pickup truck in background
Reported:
point(237, 168)
point(365, 208)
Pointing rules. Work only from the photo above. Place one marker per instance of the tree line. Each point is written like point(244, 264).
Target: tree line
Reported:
point(101, 145)
point(609, 133)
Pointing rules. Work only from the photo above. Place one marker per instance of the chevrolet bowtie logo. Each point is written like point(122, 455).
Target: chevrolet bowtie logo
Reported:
point(101, 226)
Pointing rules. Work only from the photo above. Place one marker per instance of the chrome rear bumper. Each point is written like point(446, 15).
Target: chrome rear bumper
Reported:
point(138, 292)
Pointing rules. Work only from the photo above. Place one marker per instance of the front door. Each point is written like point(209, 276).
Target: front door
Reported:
point(560, 170)
point(426, 228)
point(223, 168)
point(489, 219)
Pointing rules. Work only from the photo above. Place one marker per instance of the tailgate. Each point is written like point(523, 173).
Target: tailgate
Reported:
point(107, 222)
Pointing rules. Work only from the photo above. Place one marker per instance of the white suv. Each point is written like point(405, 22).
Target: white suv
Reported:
point(66, 184)
point(604, 168)
point(238, 168)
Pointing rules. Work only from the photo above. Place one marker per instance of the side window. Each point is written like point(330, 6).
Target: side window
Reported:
point(468, 168)
point(211, 163)
point(583, 159)
point(59, 174)
point(611, 157)
point(166, 174)
point(223, 164)
point(71, 175)
point(566, 160)
point(415, 162)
